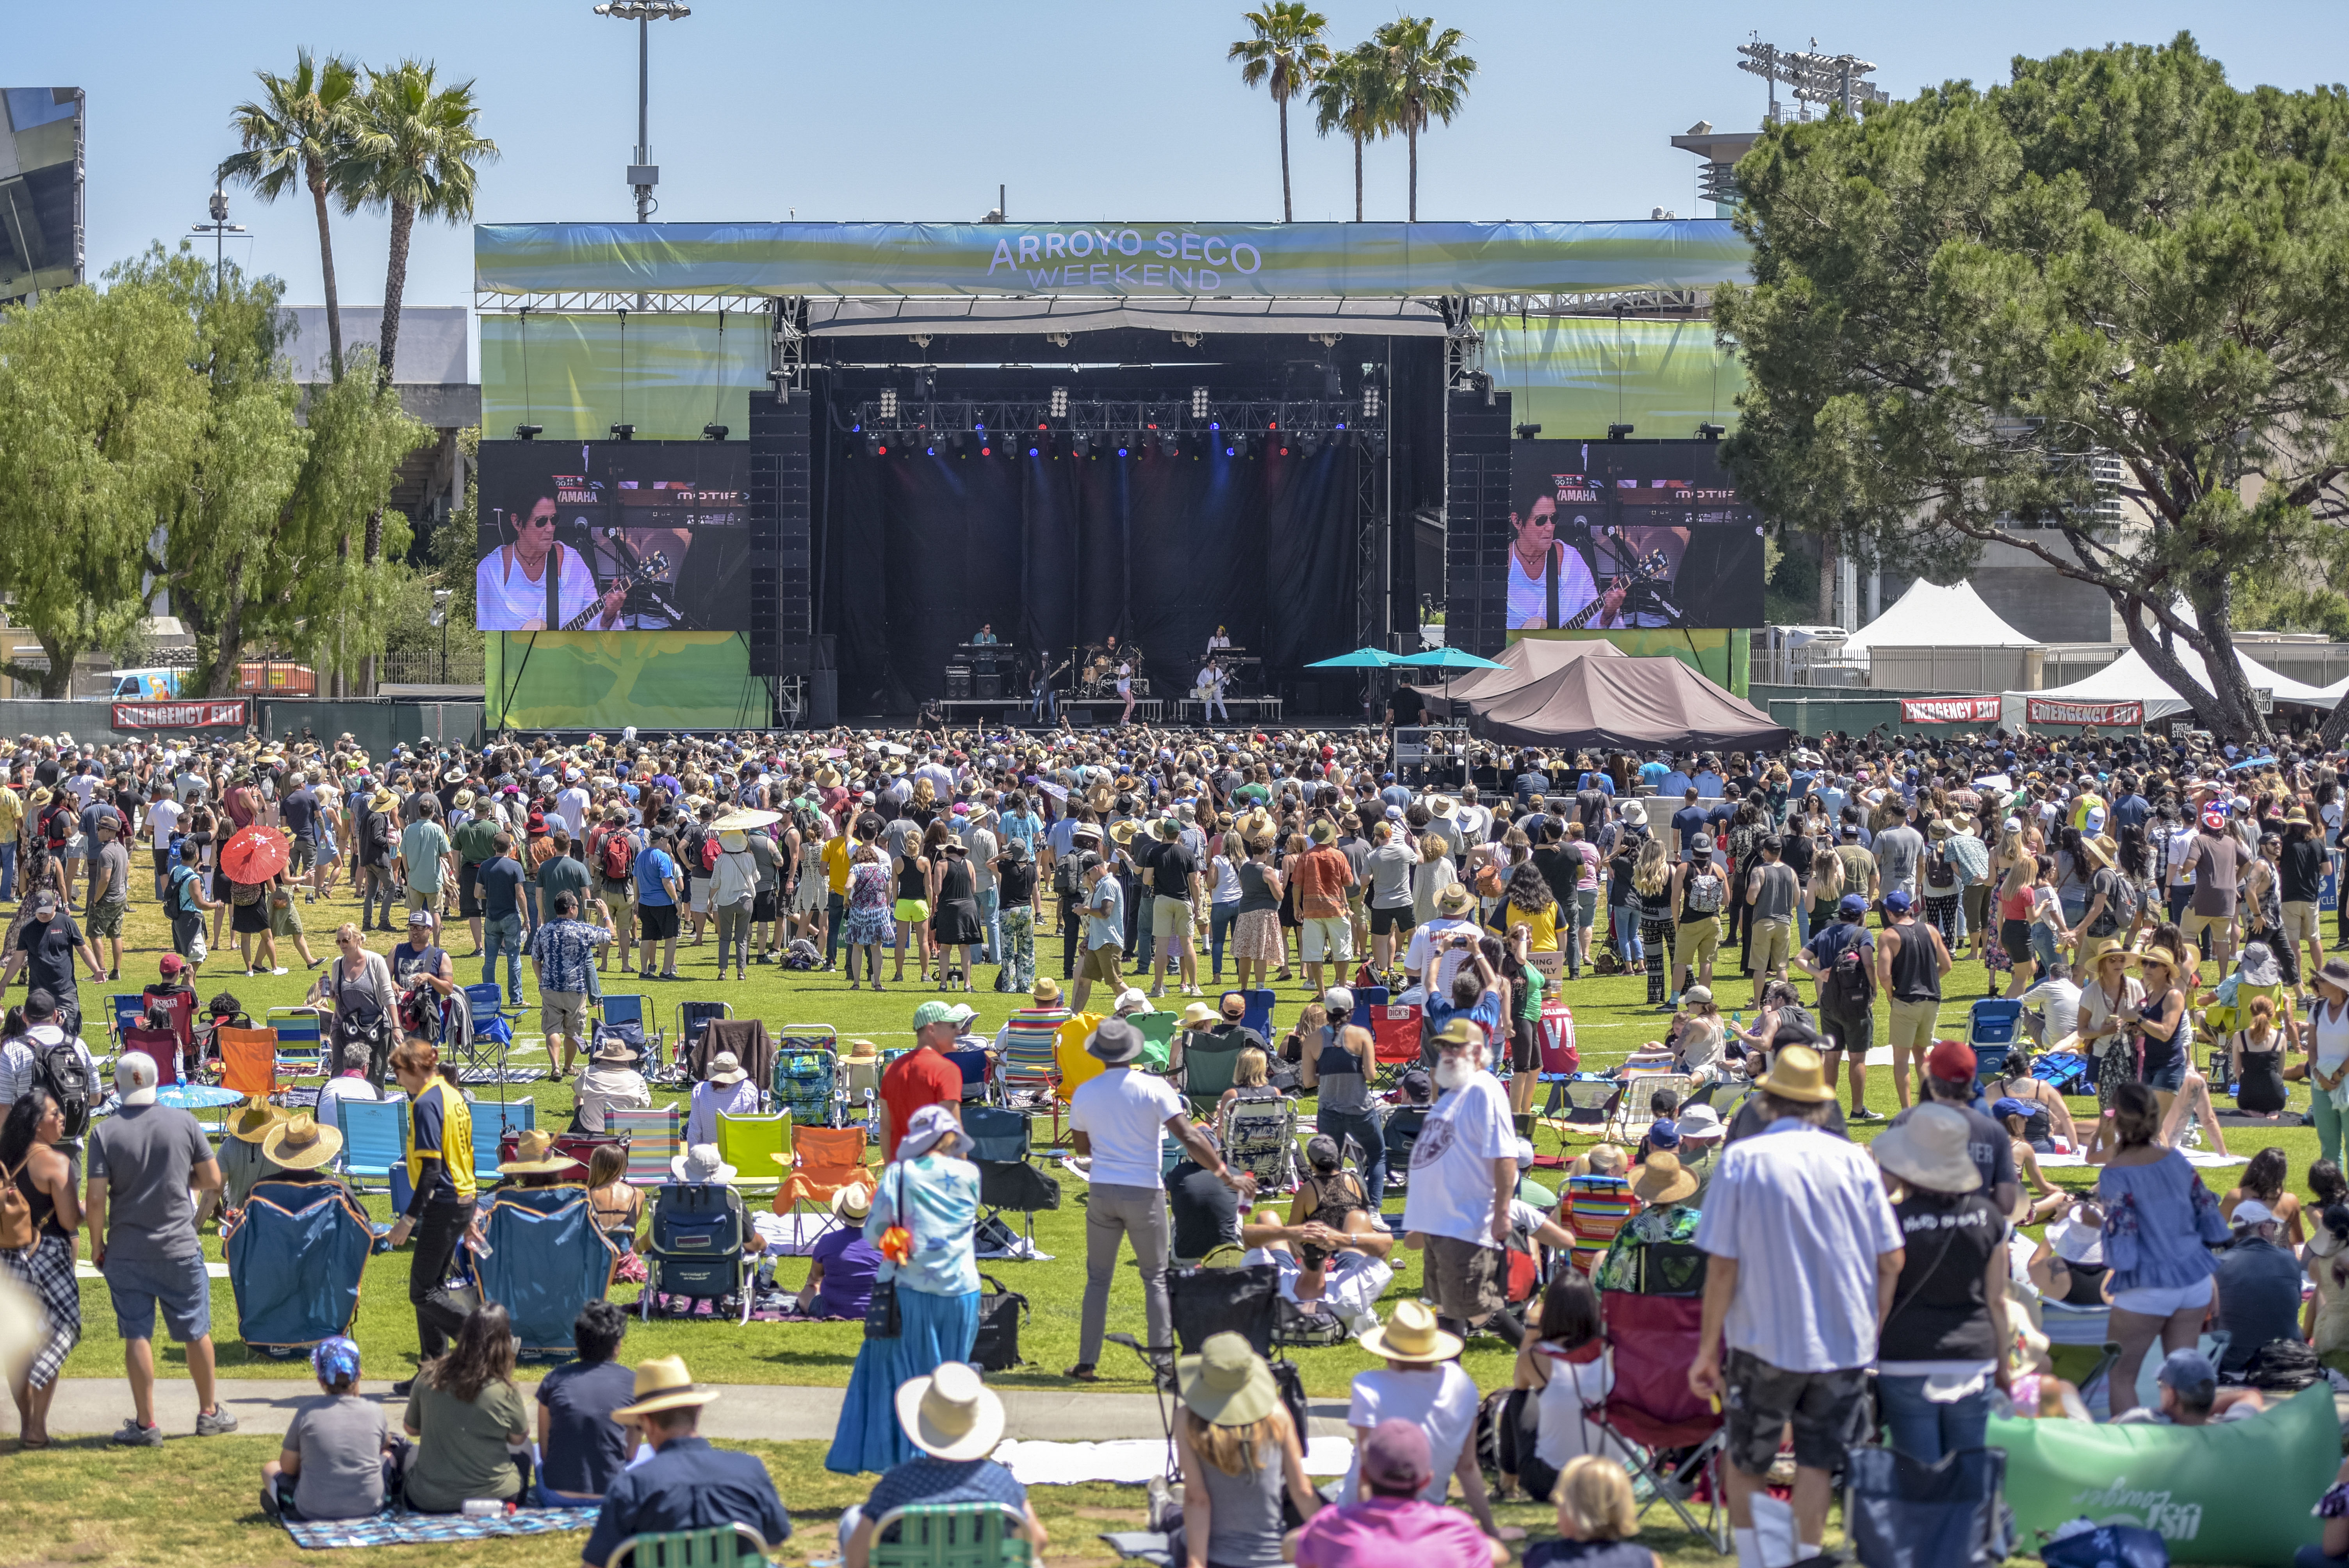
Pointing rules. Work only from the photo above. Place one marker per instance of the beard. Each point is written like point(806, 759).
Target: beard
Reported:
point(1452, 1072)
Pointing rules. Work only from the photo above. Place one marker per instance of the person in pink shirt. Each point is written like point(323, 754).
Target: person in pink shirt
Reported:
point(1392, 1528)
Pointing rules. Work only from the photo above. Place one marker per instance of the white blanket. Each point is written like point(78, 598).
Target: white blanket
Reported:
point(1132, 1460)
point(791, 1235)
point(2204, 1158)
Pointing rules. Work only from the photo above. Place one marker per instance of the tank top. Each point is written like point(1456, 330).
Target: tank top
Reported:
point(1255, 895)
point(2331, 1035)
point(1335, 1197)
point(1916, 972)
point(1339, 1071)
point(955, 886)
point(42, 1208)
point(1244, 1510)
point(913, 882)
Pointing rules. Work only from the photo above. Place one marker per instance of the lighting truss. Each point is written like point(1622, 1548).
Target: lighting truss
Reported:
point(906, 423)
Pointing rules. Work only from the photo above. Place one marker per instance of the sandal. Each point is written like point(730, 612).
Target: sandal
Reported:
point(1083, 1372)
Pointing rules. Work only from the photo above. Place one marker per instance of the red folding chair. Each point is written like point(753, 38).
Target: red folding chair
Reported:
point(180, 1006)
point(1651, 1341)
point(163, 1046)
point(1395, 1043)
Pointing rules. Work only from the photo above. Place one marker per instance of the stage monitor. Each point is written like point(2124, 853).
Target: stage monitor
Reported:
point(651, 536)
point(1608, 534)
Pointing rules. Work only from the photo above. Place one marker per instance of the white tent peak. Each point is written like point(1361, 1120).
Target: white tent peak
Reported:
point(1931, 616)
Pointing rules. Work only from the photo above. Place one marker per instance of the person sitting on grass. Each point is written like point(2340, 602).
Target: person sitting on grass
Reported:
point(2191, 1395)
point(956, 1422)
point(687, 1484)
point(581, 1449)
point(470, 1418)
point(1391, 1524)
point(337, 1458)
point(1596, 1519)
point(1330, 1214)
point(844, 1265)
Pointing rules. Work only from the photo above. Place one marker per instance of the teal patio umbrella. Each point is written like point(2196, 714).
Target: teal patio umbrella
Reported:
point(1360, 659)
point(1447, 662)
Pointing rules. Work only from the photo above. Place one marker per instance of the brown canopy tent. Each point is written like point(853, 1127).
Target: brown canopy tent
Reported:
point(1642, 704)
point(1525, 661)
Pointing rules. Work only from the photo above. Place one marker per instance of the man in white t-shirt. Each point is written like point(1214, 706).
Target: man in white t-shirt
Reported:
point(1534, 537)
point(1116, 1120)
point(1456, 908)
point(163, 815)
point(510, 584)
point(1422, 1383)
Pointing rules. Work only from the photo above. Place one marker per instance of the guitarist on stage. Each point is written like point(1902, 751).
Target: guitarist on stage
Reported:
point(514, 593)
point(1533, 549)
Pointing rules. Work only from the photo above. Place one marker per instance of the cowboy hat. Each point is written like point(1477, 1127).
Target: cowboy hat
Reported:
point(1198, 1014)
point(1410, 1333)
point(1454, 900)
point(1440, 805)
point(1123, 831)
point(534, 1148)
point(853, 1202)
point(725, 1068)
point(300, 1144)
point(950, 1414)
point(1117, 1042)
point(663, 1384)
point(701, 1162)
point(1663, 1181)
point(1227, 1384)
point(1929, 1150)
point(251, 1123)
point(2096, 849)
point(612, 1049)
point(1798, 1074)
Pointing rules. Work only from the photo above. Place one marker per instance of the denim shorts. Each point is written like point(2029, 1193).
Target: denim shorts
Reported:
point(182, 1287)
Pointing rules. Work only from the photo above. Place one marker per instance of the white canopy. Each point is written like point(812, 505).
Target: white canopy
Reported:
point(1930, 616)
point(2130, 679)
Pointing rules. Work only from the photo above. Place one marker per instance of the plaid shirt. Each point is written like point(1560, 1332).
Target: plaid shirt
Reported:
point(564, 952)
point(1321, 876)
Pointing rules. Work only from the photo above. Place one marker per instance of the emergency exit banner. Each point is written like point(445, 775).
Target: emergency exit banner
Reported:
point(223, 715)
point(1949, 711)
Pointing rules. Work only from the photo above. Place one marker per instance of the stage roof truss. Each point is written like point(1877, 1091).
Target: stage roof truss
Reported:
point(1258, 419)
point(613, 302)
point(1679, 302)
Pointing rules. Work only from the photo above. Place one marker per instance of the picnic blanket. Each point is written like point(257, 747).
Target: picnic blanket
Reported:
point(404, 1529)
point(1132, 1460)
point(2204, 1158)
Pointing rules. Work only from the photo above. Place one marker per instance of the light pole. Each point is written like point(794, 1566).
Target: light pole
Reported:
point(643, 173)
point(219, 229)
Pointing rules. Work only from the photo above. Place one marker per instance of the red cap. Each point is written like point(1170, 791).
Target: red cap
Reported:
point(171, 964)
point(1952, 1061)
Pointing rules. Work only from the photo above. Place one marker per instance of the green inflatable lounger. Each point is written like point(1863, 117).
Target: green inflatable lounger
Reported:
point(2233, 1492)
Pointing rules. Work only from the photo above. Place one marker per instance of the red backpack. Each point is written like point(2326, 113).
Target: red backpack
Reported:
point(617, 860)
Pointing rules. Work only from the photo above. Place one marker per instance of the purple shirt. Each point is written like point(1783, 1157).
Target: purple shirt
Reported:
point(850, 1263)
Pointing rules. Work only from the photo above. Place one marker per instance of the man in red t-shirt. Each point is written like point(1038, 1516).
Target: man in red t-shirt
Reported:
point(923, 1076)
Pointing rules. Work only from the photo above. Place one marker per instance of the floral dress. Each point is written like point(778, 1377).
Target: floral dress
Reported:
point(868, 905)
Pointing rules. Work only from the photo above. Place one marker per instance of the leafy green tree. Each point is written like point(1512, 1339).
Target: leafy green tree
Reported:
point(1354, 95)
point(1428, 77)
point(1970, 307)
point(298, 131)
point(101, 405)
point(1284, 54)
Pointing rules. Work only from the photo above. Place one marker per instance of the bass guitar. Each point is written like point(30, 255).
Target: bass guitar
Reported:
point(645, 570)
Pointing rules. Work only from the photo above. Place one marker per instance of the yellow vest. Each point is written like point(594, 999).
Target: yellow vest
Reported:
point(456, 1151)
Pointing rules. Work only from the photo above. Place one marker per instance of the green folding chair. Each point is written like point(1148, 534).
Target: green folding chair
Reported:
point(951, 1535)
point(750, 1144)
point(1157, 1037)
point(719, 1546)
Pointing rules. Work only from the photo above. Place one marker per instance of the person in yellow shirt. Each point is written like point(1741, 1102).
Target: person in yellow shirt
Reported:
point(12, 822)
point(835, 871)
point(440, 1177)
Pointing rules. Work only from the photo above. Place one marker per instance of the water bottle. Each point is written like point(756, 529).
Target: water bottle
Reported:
point(483, 1508)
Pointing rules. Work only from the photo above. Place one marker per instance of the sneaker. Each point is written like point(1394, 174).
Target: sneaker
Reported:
point(1864, 1114)
point(214, 1423)
point(134, 1436)
point(405, 1387)
point(280, 970)
point(1161, 1500)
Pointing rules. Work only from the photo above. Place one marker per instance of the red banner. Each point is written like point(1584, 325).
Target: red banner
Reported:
point(227, 713)
point(2047, 710)
point(1949, 711)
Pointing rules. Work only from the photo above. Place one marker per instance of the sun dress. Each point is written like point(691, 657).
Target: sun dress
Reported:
point(868, 905)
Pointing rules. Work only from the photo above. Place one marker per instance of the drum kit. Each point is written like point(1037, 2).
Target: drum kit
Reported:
point(1097, 671)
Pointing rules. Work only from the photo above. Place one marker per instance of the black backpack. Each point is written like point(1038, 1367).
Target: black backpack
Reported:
point(995, 1346)
point(62, 1071)
point(1849, 986)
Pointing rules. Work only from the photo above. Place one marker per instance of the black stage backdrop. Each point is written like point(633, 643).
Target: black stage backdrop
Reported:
point(921, 550)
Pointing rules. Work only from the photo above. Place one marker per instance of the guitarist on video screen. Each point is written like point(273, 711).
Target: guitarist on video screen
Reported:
point(515, 592)
point(1550, 584)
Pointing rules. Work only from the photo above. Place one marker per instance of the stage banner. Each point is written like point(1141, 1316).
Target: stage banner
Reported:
point(1172, 260)
point(1949, 711)
point(227, 714)
point(2046, 710)
point(603, 680)
point(1574, 376)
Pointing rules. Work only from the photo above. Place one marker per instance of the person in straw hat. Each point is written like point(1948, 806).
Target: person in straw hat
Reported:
point(1238, 1449)
point(1793, 1213)
point(298, 1148)
point(1946, 1332)
point(242, 1162)
point(1422, 1383)
point(726, 1088)
point(953, 1422)
point(536, 1162)
point(687, 1484)
point(844, 1265)
point(610, 1083)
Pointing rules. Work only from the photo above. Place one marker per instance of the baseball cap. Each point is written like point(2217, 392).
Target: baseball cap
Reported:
point(1663, 1134)
point(1322, 1151)
point(2189, 1372)
point(1897, 899)
point(419, 917)
point(956, 1012)
point(1339, 999)
point(335, 1360)
point(1702, 844)
point(1395, 1457)
point(2010, 1106)
point(1952, 1061)
point(2212, 817)
point(2251, 1212)
point(1851, 906)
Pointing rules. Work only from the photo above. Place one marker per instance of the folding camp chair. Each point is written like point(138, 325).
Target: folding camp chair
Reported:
point(807, 1085)
point(1207, 1071)
point(1597, 1208)
point(1259, 1137)
point(180, 1006)
point(972, 1064)
point(1258, 1016)
point(248, 1059)
point(719, 1546)
point(125, 1013)
point(1000, 1140)
point(1634, 1108)
point(1157, 1037)
point(159, 1044)
point(484, 1055)
point(1395, 1043)
point(375, 1137)
point(301, 1046)
point(1369, 997)
point(699, 1247)
point(951, 1535)
point(692, 1018)
point(628, 1008)
point(544, 1258)
point(652, 1137)
point(294, 1258)
point(493, 1123)
point(822, 1160)
point(1652, 1340)
point(1027, 1068)
point(750, 1144)
point(1405, 1124)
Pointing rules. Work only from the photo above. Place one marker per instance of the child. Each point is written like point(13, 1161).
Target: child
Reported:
point(338, 1460)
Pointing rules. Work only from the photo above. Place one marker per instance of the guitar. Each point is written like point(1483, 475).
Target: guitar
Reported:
point(1648, 568)
point(651, 566)
point(1045, 680)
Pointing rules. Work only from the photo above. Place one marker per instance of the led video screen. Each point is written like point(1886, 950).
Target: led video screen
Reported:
point(1605, 534)
point(607, 536)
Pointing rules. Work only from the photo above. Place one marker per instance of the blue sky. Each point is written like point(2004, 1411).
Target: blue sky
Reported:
point(916, 108)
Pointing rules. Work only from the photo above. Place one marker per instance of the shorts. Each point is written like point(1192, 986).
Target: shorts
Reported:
point(2197, 923)
point(1525, 1046)
point(1385, 922)
point(2015, 935)
point(424, 898)
point(469, 890)
point(1770, 943)
point(2160, 1300)
point(762, 907)
point(2299, 921)
point(914, 910)
point(2042, 943)
point(1855, 1033)
point(1101, 964)
point(222, 887)
point(182, 1286)
point(1824, 1408)
point(1170, 919)
point(697, 897)
point(301, 855)
point(1585, 908)
point(563, 1013)
point(1328, 938)
point(1976, 904)
point(1913, 1024)
point(106, 919)
point(2170, 1078)
point(1466, 1278)
point(1695, 941)
point(656, 921)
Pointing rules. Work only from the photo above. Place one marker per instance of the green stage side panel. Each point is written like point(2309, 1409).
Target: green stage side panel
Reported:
point(1574, 375)
point(1722, 657)
point(603, 680)
point(578, 375)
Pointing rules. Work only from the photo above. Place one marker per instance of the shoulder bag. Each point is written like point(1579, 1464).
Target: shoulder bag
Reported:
point(882, 1319)
point(16, 1231)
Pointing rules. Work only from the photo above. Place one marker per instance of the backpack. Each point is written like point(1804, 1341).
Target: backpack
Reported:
point(59, 1069)
point(1937, 871)
point(1850, 985)
point(996, 1346)
point(1703, 891)
point(183, 876)
point(708, 855)
point(618, 861)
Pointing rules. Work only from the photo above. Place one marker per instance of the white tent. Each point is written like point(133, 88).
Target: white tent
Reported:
point(1929, 617)
point(2130, 679)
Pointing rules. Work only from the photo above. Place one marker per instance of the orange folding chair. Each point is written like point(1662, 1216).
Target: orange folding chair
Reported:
point(248, 1059)
point(823, 1160)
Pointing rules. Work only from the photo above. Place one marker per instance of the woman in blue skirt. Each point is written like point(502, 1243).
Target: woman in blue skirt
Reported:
point(921, 1221)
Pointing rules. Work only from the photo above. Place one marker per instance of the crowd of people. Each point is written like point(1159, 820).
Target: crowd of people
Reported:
point(2135, 897)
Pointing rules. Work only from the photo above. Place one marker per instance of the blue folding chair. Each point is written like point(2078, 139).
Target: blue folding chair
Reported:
point(972, 1064)
point(1258, 1016)
point(546, 1258)
point(492, 1121)
point(1369, 997)
point(294, 1259)
point(127, 1013)
point(692, 1019)
point(493, 1020)
point(628, 1008)
point(375, 1138)
point(301, 1042)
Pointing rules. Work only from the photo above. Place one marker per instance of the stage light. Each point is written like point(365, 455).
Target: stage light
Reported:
point(1238, 448)
point(1370, 400)
point(1620, 432)
point(1031, 452)
point(713, 432)
point(1059, 402)
point(1081, 445)
point(989, 451)
point(623, 432)
point(1310, 442)
point(1710, 432)
point(881, 450)
point(1122, 447)
point(1199, 403)
point(888, 403)
point(1214, 424)
point(1272, 425)
point(1171, 444)
point(932, 451)
point(1527, 432)
point(979, 426)
point(528, 432)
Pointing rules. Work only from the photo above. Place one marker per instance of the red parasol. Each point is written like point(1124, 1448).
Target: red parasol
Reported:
point(254, 855)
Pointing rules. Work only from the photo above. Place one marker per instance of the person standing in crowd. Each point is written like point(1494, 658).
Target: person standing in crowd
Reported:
point(2164, 1221)
point(1947, 1327)
point(563, 952)
point(426, 858)
point(657, 886)
point(441, 1180)
point(45, 950)
point(1910, 960)
point(505, 918)
point(43, 1178)
point(2216, 859)
point(1804, 1253)
point(1016, 884)
point(1104, 927)
point(109, 889)
point(1773, 892)
point(1699, 893)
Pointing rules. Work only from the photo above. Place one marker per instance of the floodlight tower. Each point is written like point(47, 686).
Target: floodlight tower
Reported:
point(643, 173)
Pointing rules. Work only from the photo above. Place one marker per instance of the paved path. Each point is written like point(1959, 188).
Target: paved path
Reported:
point(100, 1405)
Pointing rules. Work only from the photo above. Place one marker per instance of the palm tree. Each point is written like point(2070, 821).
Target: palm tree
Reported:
point(299, 130)
point(414, 151)
point(1286, 55)
point(1354, 95)
point(1430, 78)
